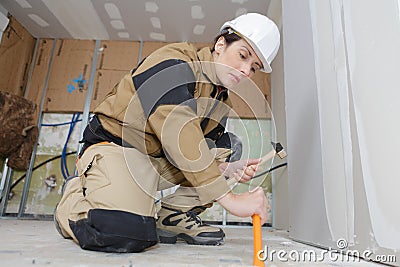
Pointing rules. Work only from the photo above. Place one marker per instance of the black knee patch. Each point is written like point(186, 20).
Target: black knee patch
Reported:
point(115, 231)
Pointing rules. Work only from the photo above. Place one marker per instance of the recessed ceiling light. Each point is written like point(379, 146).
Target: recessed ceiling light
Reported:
point(117, 24)
point(197, 12)
point(124, 35)
point(151, 7)
point(155, 22)
point(112, 11)
point(23, 3)
point(199, 29)
point(41, 22)
point(157, 36)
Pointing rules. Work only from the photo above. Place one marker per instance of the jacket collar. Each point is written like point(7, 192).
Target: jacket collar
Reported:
point(207, 64)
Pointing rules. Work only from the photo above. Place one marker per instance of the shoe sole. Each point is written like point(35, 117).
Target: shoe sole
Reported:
point(168, 237)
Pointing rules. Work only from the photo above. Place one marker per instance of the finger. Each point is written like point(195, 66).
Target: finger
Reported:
point(244, 179)
point(250, 171)
point(264, 218)
point(237, 177)
point(253, 161)
point(247, 173)
point(254, 167)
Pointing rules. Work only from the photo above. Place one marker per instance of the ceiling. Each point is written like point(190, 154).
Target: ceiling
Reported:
point(151, 20)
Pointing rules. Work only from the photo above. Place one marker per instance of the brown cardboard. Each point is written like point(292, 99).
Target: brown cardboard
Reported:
point(250, 99)
point(72, 62)
point(150, 47)
point(16, 52)
point(118, 55)
point(201, 45)
point(116, 58)
point(104, 83)
point(35, 90)
point(73, 57)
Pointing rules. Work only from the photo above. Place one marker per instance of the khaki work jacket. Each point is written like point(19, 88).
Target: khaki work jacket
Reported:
point(160, 110)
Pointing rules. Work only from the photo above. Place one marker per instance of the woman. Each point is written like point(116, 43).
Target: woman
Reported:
point(163, 125)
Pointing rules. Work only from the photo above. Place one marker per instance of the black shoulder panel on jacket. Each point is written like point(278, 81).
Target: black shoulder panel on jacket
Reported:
point(170, 82)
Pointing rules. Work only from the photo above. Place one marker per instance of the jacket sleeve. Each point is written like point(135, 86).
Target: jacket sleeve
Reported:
point(166, 94)
point(178, 129)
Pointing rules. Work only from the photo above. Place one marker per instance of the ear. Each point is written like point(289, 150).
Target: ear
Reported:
point(220, 45)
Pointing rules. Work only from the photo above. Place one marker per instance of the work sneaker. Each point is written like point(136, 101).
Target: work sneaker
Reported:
point(173, 224)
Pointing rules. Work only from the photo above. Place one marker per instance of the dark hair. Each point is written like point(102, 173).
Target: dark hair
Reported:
point(229, 36)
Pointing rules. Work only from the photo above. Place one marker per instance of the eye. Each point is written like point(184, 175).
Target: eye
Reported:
point(242, 56)
point(253, 69)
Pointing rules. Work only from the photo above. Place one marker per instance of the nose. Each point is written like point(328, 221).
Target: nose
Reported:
point(246, 69)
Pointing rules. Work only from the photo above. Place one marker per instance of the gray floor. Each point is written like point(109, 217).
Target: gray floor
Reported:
point(36, 243)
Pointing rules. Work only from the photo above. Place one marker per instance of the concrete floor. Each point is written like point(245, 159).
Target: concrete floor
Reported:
point(37, 243)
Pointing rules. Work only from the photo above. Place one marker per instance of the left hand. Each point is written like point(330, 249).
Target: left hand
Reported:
point(242, 170)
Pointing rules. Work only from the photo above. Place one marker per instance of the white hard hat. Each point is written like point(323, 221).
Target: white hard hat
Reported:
point(260, 32)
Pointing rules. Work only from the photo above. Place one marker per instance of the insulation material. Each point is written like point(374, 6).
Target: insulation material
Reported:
point(18, 130)
point(47, 180)
point(374, 66)
point(16, 51)
point(20, 159)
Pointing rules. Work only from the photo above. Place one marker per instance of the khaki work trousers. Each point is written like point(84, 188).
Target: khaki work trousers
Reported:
point(112, 177)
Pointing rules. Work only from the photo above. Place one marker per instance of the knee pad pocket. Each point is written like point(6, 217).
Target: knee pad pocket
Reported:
point(115, 231)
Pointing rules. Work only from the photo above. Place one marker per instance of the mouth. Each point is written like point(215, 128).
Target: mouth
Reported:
point(234, 78)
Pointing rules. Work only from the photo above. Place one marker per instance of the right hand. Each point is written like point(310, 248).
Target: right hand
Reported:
point(242, 170)
point(246, 204)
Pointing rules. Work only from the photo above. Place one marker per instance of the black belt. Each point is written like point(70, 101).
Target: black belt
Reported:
point(95, 133)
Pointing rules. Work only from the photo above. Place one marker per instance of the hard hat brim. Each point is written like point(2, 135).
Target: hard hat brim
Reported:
point(266, 66)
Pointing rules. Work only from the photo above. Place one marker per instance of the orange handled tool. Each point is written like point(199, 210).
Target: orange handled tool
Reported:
point(257, 237)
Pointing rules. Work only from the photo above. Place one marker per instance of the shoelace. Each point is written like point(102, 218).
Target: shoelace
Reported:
point(194, 217)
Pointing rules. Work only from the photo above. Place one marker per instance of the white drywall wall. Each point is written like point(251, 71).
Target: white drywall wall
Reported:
point(307, 213)
point(331, 74)
point(373, 35)
point(3, 21)
point(341, 61)
point(280, 203)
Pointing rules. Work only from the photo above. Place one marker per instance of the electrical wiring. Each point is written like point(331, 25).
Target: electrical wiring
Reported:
point(270, 170)
point(72, 123)
point(38, 166)
point(57, 124)
point(258, 175)
point(63, 162)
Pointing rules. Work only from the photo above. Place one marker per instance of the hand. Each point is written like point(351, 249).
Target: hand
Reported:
point(246, 204)
point(242, 170)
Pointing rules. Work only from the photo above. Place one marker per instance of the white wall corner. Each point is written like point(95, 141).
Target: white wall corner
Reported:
point(3, 21)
